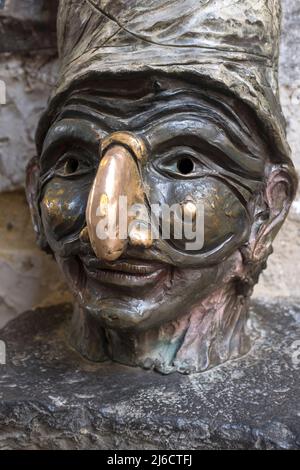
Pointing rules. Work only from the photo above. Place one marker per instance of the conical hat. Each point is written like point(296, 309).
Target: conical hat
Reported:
point(232, 44)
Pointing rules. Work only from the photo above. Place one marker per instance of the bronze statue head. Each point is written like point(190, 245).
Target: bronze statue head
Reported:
point(163, 103)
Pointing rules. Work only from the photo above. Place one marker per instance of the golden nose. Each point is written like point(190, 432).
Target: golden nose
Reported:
point(116, 188)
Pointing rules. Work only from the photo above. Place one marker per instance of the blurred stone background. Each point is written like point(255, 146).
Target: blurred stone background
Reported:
point(28, 67)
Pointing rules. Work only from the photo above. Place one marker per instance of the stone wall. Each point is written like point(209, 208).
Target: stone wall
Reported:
point(28, 81)
point(28, 67)
point(289, 74)
point(28, 277)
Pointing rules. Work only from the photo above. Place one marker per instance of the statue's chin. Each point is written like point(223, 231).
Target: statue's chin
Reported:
point(131, 314)
point(119, 315)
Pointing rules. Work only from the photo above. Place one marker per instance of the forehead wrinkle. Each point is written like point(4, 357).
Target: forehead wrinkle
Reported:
point(142, 113)
point(198, 116)
point(213, 100)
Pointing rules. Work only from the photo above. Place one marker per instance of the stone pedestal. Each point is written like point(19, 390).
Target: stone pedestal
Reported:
point(51, 398)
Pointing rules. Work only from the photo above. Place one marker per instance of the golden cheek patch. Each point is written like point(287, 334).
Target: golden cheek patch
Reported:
point(62, 212)
point(53, 207)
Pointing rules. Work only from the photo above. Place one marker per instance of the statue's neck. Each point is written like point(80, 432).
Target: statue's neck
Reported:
point(211, 333)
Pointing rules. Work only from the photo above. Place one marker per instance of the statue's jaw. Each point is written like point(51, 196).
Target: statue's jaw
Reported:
point(209, 334)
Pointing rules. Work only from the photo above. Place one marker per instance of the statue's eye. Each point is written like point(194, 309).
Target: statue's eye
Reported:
point(180, 163)
point(72, 165)
point(185, 165)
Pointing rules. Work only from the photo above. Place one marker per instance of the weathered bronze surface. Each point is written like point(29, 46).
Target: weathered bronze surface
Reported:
point(163, 102)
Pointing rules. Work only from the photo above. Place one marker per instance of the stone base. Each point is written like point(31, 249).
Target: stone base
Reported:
point(51, 398)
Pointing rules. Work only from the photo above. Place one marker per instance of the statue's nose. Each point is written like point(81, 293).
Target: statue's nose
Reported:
point(117, 187)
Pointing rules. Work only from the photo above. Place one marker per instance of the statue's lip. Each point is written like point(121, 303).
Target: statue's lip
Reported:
point(124, 265)
point(125, 273)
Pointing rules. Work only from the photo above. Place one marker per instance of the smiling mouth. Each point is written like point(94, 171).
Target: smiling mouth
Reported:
point(124, 272)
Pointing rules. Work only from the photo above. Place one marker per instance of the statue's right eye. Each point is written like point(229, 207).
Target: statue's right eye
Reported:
point(71, 164)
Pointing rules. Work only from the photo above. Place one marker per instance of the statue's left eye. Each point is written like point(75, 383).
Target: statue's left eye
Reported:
point(185, 165)
point(180, 163)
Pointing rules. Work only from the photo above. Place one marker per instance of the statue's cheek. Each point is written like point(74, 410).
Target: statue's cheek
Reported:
point(225, 221)
point(63, 207)
point(225, 215)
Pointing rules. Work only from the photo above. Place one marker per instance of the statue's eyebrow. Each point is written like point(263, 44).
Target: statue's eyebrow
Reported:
point(74, 131)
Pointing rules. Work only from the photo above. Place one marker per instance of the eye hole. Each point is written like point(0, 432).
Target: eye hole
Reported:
point(185, 165)
point(70, 166)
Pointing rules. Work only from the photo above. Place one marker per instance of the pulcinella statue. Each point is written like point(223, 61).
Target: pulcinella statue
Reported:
point(163, 102)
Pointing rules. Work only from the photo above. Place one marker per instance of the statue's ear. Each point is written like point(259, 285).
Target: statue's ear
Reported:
point(32, 194)
point(279, 193)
